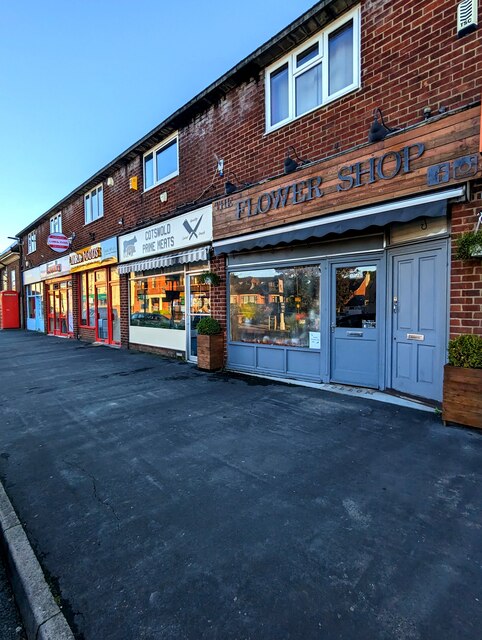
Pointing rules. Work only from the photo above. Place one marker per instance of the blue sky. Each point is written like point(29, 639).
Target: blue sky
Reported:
point(80, 81)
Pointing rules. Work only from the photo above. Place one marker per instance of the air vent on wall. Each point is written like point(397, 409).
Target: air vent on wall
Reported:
point(466, 17)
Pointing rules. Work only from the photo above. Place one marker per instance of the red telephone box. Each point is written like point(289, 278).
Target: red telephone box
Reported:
point(9, 310)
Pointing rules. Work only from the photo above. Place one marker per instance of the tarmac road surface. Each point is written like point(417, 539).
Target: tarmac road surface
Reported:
point(169, 504)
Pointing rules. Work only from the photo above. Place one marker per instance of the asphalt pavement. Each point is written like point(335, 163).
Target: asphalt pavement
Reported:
point(165, 503)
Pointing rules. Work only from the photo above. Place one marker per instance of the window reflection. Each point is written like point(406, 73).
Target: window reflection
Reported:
point(275, 306)
point(158, 301)
point(356, 297)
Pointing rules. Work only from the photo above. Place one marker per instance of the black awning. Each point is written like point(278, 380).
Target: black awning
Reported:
point(334, 224)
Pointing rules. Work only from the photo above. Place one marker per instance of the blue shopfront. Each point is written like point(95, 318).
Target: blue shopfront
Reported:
point(358, 299)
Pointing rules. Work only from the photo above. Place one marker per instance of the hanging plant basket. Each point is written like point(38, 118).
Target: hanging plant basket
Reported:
point(211, 278)
point(469, 245)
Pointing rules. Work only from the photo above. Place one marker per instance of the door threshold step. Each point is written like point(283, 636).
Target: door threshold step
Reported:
point(356, 392)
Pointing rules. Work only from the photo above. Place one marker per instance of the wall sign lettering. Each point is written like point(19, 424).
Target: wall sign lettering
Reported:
point(295, 193)
point(383, 167)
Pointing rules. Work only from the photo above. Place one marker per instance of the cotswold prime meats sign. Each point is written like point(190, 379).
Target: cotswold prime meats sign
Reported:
point(191, 229)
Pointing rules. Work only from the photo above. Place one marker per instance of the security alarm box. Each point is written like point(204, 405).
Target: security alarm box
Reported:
point(466, 17)
point(133, 183)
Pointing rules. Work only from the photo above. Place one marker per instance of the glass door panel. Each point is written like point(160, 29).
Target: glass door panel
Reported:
point(51, 311)
point(116, 312)
point(102, 329)
point(199, 306)
point(354, 333)
point(62, 311)
point(70, 309)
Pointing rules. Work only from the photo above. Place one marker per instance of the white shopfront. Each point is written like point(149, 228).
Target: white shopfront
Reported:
point(166, 295)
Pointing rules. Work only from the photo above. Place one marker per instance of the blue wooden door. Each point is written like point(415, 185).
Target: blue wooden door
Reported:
point(354, 325)
point(419, 312)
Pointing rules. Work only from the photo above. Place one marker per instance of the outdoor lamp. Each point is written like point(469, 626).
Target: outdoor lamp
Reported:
point(378, 130)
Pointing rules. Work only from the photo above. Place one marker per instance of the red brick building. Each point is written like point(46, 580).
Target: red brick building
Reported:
point(336, 254)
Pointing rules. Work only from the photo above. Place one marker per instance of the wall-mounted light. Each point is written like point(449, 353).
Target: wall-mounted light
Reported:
point(378, 130)
point(110, 182)
point(426, 112)
point(291, 165)
point(163, 196)
point(121, 222)
point(230, 186)
point(92, 236)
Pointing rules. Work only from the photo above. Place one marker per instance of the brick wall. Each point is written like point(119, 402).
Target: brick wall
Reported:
point(466, 276)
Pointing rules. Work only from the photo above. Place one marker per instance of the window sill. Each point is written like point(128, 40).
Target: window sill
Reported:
point(86, 224)
point(163, 181)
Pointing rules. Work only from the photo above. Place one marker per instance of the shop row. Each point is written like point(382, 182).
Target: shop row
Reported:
point(308, 201)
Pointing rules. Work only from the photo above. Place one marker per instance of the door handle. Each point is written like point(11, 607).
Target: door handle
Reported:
point(333, 327)
point(395, 304)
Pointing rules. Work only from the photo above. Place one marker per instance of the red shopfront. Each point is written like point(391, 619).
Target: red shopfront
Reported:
point(60, 308)
point(58, 297)
point(99, 292)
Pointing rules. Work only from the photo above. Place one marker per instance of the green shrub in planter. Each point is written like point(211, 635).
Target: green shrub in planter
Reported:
point(466, 351)
point(469, 245)
point(208, 327)
point(209, 277)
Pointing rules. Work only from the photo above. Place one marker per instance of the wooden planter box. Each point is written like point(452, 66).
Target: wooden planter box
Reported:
point(210, 352)
point(462, 397)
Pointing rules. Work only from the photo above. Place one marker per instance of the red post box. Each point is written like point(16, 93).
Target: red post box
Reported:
point(9, 310)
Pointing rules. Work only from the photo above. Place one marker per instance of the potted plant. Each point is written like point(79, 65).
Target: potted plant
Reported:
point(210, 344)
point(462, 393)
point(469, 245)
point(211, 278)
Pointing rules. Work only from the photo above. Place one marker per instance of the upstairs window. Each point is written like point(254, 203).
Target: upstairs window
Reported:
point(56, 223)
point(161, 163)
point(94, 204)
point(32, 242)
point(321, 70)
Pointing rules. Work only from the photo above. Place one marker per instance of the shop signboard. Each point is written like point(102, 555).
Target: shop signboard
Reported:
point(96, 255)
point(31, 276)
point(182, 232)
point(418, 159)
point(58, 242)
point(55, 268)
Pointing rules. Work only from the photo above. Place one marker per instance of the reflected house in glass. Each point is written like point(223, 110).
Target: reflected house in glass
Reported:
point(274, 306)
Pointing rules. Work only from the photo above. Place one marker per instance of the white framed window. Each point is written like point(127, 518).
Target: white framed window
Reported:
point(94, 204)
point(321, 70)
point(32, 242)
point(56, 223)
point(162, 162)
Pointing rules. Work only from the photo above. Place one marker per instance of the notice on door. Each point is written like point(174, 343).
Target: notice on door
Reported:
point(315, 340)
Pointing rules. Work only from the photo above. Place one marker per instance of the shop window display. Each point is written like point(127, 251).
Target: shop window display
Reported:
point(275, 306)
point(158, 301)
